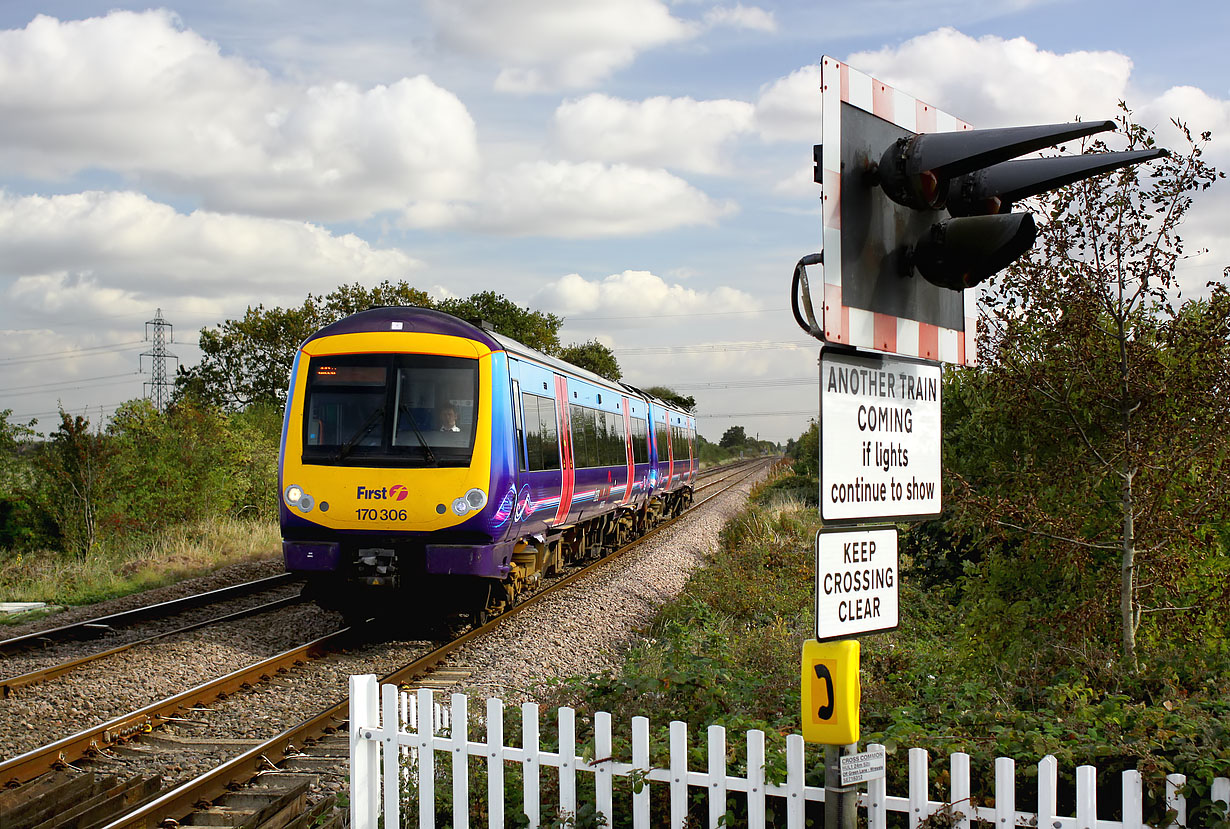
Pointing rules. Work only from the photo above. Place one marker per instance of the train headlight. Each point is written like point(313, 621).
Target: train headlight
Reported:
point(472, 501)
point(296, 497)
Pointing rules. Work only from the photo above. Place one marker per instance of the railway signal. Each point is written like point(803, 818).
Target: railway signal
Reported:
point(949, 195)
point(917, 209)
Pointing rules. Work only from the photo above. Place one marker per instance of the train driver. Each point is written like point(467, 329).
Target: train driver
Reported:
point(448, 418)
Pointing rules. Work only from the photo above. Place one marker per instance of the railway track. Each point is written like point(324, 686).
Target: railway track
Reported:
point(102, 625)
point(37, 657)
point(280, 798)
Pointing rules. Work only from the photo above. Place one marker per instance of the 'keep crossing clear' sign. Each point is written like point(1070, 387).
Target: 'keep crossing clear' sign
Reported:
point(857, 584)
point(879, 437)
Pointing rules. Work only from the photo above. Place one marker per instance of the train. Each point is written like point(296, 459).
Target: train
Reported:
point(431, 467)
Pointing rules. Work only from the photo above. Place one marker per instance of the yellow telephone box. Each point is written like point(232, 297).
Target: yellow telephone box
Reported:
point(831, 692)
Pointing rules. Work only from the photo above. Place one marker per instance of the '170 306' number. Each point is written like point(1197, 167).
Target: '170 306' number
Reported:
point(370, 514)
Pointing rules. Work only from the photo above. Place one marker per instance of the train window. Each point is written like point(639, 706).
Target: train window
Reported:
point(584, 436)
point(598, 438)
point(603, 439)
point(663, 444)
point(640, 440)
point(541, 433)
point(390, 409)
point(518, 425)
point(617, 439)
point(681, 442)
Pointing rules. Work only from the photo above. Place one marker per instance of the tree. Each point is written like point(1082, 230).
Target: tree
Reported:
point(22, 522)
point(163, 462)
point(1094, 430)
point(685, 402)
point(533, 328)
point(74, 463)
point(248, 361)
point(806, 451)
point(733, 438)
point(593, 356)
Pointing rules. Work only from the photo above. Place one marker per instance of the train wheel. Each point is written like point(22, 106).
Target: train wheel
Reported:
point(482, 612)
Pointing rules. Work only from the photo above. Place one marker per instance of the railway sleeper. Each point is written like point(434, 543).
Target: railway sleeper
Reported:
point(254, 809)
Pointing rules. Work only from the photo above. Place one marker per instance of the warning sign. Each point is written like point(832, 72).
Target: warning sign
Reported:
point(879, 437)
point(856, 581)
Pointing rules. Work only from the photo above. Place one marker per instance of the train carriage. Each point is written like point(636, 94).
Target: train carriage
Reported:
point(430, 467)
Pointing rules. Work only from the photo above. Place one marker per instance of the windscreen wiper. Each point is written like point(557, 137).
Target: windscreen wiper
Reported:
point(431, 456)
point(374, 418)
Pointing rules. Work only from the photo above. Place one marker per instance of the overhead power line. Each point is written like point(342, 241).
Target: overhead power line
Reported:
point(809, 412)
point(72, 353)
point(651, 317)
point(102, 408)
point(51, 386)
point(710, 347)
point(87, 383)
point(747, 384)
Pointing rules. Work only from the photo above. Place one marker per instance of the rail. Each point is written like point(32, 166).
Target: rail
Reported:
point(181, 800)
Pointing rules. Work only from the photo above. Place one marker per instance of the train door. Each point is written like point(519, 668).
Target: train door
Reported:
point(670, 469)
point(628, 448)
point(693, 463)
point(519, 455)
point(567, 464)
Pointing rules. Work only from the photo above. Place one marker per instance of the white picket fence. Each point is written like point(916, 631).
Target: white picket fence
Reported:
point(385, 721)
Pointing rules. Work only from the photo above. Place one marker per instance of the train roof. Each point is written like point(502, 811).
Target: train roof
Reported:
point(412, 318)
point(431, 321)
point(523, 350)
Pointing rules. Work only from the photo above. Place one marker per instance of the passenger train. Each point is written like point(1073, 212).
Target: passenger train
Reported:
point(432, 467)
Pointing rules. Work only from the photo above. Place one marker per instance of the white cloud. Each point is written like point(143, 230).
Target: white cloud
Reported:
point(577, 200)
point(137, 94)
point(680, 133)
point(121, 252)
point(740, 16)
point(994, 82)
point(549, 44)
point(635, 293)
point(788, 109)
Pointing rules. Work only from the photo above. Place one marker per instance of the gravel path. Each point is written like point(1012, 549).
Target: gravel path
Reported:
point(590, 626)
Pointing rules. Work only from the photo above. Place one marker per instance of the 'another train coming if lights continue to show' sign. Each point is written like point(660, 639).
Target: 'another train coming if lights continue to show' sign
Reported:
point(879, 437)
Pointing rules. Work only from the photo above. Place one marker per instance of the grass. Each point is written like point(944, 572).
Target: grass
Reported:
point(187, 551)
point(727, 651)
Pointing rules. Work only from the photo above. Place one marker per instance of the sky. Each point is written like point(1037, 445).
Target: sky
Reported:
point(642, 168)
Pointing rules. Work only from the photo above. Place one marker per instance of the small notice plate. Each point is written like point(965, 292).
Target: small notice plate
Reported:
point(859, 768)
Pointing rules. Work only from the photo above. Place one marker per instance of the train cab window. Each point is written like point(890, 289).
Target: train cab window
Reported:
point(390, 409)
point(541, 433)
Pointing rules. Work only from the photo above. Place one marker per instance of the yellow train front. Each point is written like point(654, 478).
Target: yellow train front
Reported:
point(415, 484)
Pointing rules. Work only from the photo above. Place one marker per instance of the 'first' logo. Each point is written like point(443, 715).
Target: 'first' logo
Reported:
point(397, 492)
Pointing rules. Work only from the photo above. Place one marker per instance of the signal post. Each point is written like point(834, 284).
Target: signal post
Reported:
point(917, 211)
